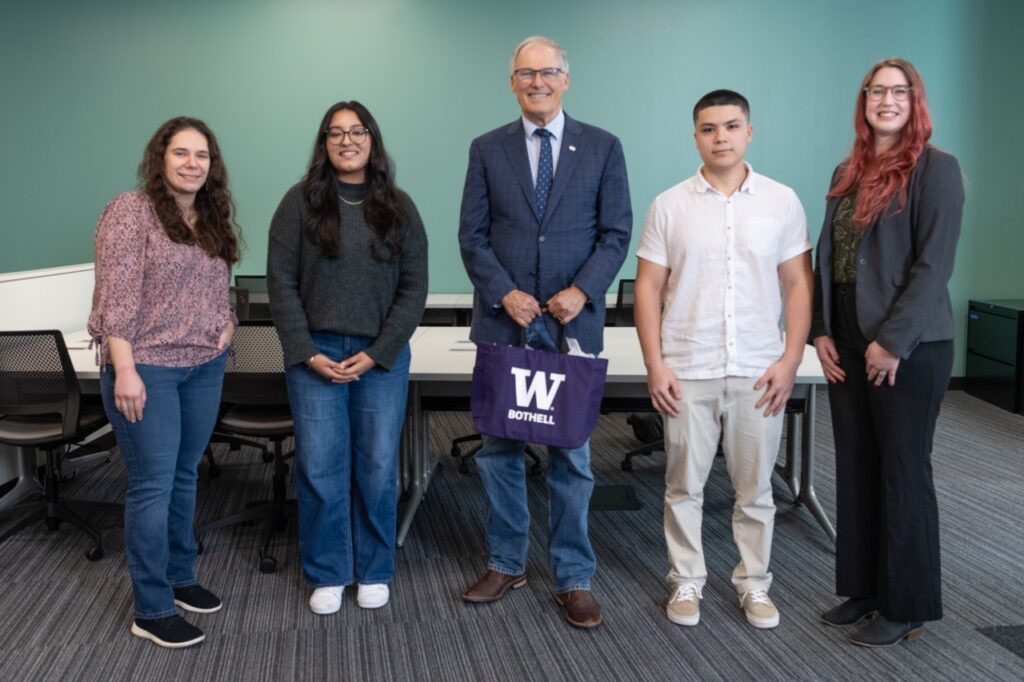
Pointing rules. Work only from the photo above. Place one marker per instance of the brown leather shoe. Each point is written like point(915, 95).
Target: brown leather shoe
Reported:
point(580, 607)
point(492, 587)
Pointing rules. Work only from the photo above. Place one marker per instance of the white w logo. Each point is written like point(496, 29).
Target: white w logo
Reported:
point(538, 387)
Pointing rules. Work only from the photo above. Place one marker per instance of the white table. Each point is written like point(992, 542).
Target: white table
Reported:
point(440, 375)
point(442, 368)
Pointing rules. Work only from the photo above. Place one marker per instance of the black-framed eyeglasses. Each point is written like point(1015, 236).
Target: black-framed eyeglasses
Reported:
point(547, 75)
point(900, 93)
point(356, 135)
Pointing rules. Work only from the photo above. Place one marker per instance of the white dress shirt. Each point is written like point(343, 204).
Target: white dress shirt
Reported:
point(723, 300)
point(555, 127)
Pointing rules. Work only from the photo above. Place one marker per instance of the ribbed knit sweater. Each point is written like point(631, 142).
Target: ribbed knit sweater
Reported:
point(354, 294)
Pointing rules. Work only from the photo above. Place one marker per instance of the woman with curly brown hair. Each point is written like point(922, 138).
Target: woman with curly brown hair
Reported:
point(161, 317)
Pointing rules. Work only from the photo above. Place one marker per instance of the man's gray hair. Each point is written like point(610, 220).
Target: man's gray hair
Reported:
point(563, 59)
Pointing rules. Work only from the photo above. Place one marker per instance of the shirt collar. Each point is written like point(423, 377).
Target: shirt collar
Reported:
point(748, 185)
point(556, 126)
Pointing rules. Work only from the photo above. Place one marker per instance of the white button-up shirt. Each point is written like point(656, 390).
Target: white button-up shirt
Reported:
point(723, 300)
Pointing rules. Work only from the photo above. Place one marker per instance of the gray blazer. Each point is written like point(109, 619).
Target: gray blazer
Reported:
point(904, 262)
point(581, 239)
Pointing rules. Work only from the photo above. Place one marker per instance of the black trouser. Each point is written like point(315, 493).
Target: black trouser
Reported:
point(887, 517)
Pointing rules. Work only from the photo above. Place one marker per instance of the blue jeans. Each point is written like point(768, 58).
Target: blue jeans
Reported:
point(161, 452)
point(570, 482)
point(346, 441)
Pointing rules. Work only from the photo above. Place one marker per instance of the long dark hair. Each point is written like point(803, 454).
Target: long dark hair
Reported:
point(216, 231)
point(384, 205)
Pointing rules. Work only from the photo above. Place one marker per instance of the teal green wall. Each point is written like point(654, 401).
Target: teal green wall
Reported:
point(85, 83)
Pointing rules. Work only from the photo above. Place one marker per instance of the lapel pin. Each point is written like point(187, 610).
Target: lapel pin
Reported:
point(572, 148)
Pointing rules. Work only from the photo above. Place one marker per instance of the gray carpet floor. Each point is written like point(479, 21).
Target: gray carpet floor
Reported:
point(63, 617)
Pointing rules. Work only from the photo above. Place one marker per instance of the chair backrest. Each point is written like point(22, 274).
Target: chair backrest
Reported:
point(254, 283)
point(624, 304)
point(37, 377)
point(238, 297)
point(255, 375)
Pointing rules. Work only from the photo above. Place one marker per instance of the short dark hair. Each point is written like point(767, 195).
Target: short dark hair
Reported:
point(720, 98)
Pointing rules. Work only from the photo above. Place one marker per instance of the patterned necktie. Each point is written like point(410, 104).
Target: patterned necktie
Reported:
point(545, 170)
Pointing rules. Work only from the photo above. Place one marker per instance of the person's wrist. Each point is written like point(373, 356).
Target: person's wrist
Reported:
point(310, 361)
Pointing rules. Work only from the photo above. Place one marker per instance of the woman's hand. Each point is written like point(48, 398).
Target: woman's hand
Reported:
point(828, 356)
point(881, 364)
point(224, 340)
point(342, 372)
point(129, 394)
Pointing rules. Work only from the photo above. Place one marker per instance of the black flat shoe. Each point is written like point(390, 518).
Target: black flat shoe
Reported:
point(850, 612)
point(883, 632)
point(196, 599)
point(173, 632)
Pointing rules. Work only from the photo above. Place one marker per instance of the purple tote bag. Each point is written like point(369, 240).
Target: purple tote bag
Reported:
point(536, 396)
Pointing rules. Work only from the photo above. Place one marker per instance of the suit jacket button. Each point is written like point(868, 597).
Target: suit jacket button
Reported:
point(541, 238)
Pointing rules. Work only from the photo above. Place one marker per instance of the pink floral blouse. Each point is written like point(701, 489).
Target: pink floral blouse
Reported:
point(169, 301)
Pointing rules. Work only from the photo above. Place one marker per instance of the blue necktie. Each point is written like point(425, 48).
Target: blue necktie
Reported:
point(545, 171)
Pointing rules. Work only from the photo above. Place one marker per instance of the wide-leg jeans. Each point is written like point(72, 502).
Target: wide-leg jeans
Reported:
point(347, 440)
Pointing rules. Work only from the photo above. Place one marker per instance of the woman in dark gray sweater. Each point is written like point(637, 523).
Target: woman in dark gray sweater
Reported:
point(347, 277)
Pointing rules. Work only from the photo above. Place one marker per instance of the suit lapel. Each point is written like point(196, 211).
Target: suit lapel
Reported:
point(515, 149)
point(568, 160)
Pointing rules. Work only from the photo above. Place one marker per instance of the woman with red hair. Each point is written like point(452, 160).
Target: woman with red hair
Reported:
point(883, 330)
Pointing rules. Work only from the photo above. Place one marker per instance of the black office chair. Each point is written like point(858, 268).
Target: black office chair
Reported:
point(256, 286)
point(624, 304)
point(255, 389)
point(41, 407)
point(238, 298)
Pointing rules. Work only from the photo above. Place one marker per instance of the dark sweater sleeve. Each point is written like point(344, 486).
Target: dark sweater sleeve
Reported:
point(284, 265)
point(410, 299)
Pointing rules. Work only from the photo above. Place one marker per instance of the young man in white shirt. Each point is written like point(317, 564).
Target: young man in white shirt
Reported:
point(720, 253)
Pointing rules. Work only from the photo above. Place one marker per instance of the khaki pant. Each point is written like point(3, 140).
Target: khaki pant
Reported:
point(709, 409)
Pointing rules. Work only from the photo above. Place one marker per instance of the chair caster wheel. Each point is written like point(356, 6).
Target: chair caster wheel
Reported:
point(53, 524)
point(94, 553)
point(454, 452)
point(627, 465)
point(268, 564)
point(268, 457)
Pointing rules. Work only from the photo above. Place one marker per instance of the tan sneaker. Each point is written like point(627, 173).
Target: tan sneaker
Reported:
point(683, 606)
point(760, 611)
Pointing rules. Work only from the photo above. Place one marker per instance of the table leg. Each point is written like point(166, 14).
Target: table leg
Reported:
point(807, 494)
point(420, 461)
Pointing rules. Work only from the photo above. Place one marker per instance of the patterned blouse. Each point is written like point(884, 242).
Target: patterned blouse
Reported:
point(168, 300)
point(846, 239)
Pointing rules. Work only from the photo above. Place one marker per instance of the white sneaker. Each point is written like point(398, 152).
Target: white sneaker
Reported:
point(372, 596)
point(325, 600)
point(760, 611)
point(683, 606)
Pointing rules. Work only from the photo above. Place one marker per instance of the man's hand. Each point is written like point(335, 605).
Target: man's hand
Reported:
point(828, 356)
point(521, 307)
point(567, 304)
point(779, 379)
point(881, 365)
point(664, 389)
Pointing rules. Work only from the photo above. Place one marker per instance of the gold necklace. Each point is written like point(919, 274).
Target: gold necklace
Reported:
point(351, 203)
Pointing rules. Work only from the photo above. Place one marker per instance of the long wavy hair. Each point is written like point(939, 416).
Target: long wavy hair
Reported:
point(877, 179)
point(384, 204)
point(216, 231)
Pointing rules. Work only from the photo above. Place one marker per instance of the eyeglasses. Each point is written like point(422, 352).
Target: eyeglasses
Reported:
point(356, 135)
point(900, 93)
point(547, 75)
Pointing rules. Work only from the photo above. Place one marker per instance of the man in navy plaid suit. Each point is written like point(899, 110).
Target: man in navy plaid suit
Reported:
point(545, 226)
